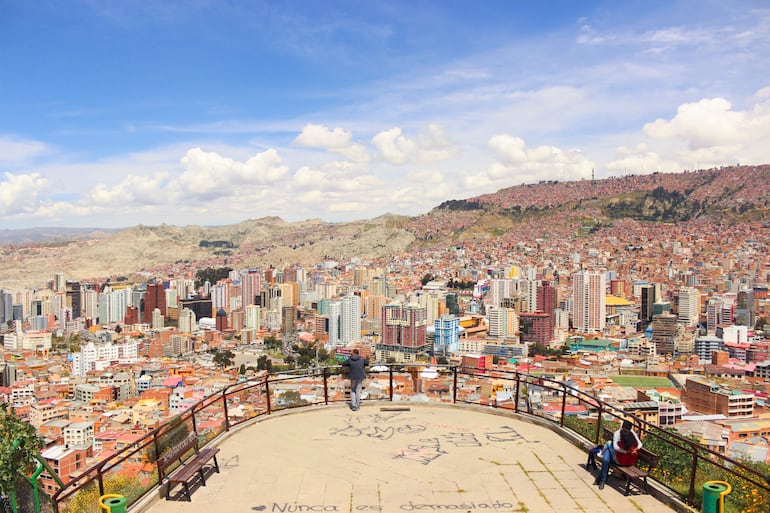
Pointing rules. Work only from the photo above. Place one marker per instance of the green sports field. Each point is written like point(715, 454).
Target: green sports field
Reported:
point(642, 381)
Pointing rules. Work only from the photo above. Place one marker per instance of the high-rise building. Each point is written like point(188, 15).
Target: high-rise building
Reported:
point(154, 297)
point(158, 320)
point(350, 324)
point(689, 306)
point(288, 316)
point(665, 332)
point(251, 285)
point(589, 301)
point(447, 330)
point(187, 321)
point(745, 311)
point(713, 314)
point(536, 327)
point(403, 331)
point(252, 317)
point(647, 297)
point(503, 323)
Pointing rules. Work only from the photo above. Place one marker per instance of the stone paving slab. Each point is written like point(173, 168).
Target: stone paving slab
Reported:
point(424, 458)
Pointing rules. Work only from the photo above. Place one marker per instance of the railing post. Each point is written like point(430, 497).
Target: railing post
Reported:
point(563, 403)
point(224, 408)
point(267, 394)
point(157, 454)
point(599, 418)
point(516, 395)
point(390, 382)
point(326, 385)
point(454, 387)
point(192, 418)
point(693, 470)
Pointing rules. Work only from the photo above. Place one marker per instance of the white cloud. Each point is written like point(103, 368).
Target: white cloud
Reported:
point(15, 150)
point(308, 178)
point(706, 133)
point(431, 145)
point(519, 164)
point(425, 176)
point(319, 136)
point(337, 141)
point(209, 174)
point(709, 122)
point(20, 193)
point(132, 190)
point(394, 147)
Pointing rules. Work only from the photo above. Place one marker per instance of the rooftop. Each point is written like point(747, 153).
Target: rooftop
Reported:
point(400, 457)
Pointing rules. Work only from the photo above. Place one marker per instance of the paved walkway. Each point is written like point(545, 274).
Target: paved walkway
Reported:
point(398, 457)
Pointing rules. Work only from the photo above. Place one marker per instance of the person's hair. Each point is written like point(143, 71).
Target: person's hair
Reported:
point(355, 351)
point(627, 438)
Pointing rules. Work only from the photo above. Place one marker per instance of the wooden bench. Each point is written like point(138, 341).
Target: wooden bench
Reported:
point(647, 459)
point(194, 464)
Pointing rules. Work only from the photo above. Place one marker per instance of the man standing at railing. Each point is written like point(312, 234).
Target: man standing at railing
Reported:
point(357, 366)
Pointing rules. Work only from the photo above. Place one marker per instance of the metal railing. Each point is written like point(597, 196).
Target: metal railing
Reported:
point(684, 465)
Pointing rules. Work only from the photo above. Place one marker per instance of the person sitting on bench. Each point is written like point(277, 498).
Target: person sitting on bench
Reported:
point(623, 450)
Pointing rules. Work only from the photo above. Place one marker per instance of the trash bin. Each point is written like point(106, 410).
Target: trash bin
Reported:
point(113, 503)
point(714, 496)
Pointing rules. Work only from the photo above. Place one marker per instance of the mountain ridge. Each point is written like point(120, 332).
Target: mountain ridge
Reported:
point(733, 195)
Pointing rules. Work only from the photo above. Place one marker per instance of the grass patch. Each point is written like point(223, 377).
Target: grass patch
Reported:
point(642, 381)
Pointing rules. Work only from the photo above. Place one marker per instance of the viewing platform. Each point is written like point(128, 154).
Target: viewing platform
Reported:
point(392, 457)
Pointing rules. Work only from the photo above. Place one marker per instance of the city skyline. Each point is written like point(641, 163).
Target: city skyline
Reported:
point(114, 115)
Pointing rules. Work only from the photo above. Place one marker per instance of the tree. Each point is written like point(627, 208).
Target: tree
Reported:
point(17, 452)
point(264, 363)
point(224, 358)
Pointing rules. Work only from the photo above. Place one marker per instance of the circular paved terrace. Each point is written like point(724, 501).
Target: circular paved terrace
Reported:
point(400, 457)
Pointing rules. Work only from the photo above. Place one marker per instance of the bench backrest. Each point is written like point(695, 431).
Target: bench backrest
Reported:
point(178, 452)
point(648, 458)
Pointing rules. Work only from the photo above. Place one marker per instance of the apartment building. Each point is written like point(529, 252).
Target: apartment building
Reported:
point(710, 398)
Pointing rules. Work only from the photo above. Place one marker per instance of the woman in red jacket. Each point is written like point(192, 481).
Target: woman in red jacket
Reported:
point(623, 451)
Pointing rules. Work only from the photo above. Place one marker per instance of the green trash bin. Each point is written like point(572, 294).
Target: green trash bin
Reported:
point(714, 496)
point(113, 503)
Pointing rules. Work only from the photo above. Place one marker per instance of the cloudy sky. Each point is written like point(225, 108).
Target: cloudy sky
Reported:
point(116, 113)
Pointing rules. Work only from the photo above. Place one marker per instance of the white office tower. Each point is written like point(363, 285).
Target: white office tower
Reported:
point(350, 323)
point(220, 296)
point(90, 303)
point(85, 360)
point(113, 305)
point(158, 321)
point(184, 288)
point(689, 306)
point(59, 282)
point(186, 321)
point(503, 323)
point(713, 314)
point(172, 298)
point(251, 315)
point(499, 289)
point(334, 312)
point(589, 296)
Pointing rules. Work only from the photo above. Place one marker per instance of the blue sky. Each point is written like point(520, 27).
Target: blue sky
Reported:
point(116, 113)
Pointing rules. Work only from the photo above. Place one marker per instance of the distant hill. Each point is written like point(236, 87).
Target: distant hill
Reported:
point(735, 195)
point(51, 234)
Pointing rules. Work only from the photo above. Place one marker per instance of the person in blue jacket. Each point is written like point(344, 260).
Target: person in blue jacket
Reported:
point(357, 375)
